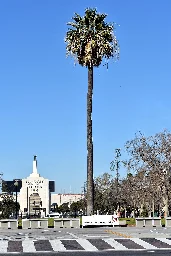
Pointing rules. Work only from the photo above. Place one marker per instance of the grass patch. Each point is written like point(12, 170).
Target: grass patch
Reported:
point(50, 222)
point(19, 223)
point(129, 221)
point(163, 221)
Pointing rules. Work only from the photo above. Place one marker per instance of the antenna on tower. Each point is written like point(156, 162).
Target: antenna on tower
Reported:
point(1, 179)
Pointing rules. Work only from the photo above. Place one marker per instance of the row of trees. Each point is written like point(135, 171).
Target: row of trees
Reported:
point(73, 209)
point(150, 162)
point(146, 187)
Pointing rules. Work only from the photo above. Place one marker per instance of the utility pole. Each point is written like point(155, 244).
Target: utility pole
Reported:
point(115, 165)
point(16, 186)
point(84, 191)
point(1, 179)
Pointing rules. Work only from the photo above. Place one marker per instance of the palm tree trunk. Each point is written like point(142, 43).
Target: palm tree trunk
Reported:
point(90, 185)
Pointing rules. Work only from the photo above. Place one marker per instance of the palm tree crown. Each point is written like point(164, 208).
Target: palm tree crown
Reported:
point(90, 39)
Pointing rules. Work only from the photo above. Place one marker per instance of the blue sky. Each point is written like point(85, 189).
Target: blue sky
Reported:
point(43, 95)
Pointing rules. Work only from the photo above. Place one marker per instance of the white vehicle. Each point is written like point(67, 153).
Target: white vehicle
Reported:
point(53, 215)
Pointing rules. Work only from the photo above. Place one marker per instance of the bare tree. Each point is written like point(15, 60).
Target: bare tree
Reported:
point(151, 157)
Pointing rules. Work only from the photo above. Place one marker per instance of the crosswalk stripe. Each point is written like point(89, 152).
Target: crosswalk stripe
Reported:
point(156, 243)
point(57, 245)
point(116, 245)
point(164, 240)
point(3, 246)
point(28, 246)
point(86, 244)
point(129, 244)
point(143, 243)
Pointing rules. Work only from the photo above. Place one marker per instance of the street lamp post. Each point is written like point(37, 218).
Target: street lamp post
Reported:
point(16, 185)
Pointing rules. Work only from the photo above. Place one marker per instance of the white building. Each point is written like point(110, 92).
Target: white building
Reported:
point(35, 193)
point(65, 198)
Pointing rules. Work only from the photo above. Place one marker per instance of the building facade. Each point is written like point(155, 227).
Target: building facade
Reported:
point(35, 194)
point(65, 198)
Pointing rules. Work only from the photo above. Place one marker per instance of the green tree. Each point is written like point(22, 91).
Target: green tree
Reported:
point(7, 206)
point(75, 207)
point(54, 207)
point(64, 208)
point(90, 40)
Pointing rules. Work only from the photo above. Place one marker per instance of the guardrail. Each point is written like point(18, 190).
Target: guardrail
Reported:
point(148, 222)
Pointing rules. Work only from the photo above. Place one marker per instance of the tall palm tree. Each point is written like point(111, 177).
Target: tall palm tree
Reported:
point(89, 40)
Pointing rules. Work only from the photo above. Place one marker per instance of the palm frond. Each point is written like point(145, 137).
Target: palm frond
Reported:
point(90, 39)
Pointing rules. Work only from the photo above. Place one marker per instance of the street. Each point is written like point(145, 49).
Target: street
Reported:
point(87, 241)
point(102, 253)
point(85, 233)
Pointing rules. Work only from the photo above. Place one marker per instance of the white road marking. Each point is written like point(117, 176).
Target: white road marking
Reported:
point(71, 234)
point(57, 245)
point(143, 243)
point(3, 246)
point(116, 245)
point(167, 241)
point(86, 244)
point(89, 236)
point(28, 246)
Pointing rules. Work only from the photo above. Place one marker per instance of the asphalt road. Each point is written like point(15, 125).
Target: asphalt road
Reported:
point(101, 232)
point(102, 253)
point(87, 241)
